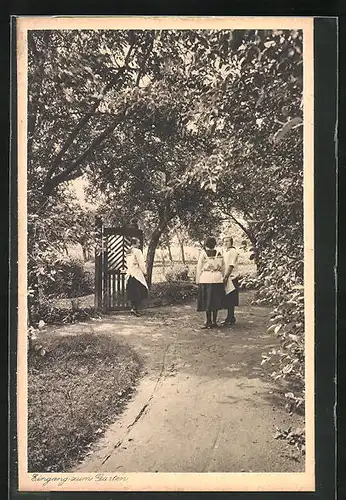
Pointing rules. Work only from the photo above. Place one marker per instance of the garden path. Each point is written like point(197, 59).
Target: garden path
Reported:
point(204, 403)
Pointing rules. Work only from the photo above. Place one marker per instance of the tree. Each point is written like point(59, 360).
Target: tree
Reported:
point(256, 161)
point(141, 196)
point(87, 89)
point(170, 123)
point(80, 85)
point(73, 76)
point(255, 168)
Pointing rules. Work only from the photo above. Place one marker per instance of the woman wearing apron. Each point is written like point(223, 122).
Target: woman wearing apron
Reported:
point(209, 277)
point(137, 287)
point(231, 300)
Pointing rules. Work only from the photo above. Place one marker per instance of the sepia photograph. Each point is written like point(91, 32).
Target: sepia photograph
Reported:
point(166, 336)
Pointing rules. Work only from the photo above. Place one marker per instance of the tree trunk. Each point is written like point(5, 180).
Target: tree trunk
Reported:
point(157, 233)
point(169, 252)
point(153, 243)
point(182, 252)
point(180, 239)
point(163, 260)
point(85, 254)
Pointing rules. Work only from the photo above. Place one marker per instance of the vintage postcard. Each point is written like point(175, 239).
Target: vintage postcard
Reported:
point(166, 254)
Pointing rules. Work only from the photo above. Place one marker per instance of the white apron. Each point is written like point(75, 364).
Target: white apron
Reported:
point(136, 266)
point(231, 259)
point(209, 269)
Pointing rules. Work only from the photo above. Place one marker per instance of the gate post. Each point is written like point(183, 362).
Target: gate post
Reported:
point(98, 301)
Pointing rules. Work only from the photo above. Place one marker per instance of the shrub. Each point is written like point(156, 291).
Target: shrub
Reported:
point(294, 437)
point(177, 272)
point(172, 292)
point(249, 282)
point(287, 322)
point(50, 312)
point(70, 279)
point(282, 288)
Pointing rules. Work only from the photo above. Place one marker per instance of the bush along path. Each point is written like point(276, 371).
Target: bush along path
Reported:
point(205, 402)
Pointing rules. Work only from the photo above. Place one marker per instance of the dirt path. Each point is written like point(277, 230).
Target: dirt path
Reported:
point(204, 404)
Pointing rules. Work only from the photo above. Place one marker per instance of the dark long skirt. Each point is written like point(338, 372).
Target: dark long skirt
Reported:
point(136, 292)
point(210, 296)
point(232, 299)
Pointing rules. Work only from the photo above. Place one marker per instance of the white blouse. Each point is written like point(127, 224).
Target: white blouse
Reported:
point(210, 269)
point(136, 266)
point(231, 259)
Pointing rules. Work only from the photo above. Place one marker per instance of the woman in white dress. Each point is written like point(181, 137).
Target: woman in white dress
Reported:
point(137, 287)
point(231, 300)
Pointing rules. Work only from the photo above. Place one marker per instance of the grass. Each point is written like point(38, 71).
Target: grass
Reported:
point(74, 391)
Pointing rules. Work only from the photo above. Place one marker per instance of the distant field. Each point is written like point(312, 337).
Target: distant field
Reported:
point(191, 255)
point(246, 266)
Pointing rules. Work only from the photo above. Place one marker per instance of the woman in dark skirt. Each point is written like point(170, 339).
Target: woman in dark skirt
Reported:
point(210, 276)
point(137, 287)
point(231, 300)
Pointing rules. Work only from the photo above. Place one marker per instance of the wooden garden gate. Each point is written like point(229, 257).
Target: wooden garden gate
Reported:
point(110, 266)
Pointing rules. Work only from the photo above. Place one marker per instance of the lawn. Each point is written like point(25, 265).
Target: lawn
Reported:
point(74, 391)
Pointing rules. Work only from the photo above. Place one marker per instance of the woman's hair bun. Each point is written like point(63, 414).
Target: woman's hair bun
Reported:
point(210, 242)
